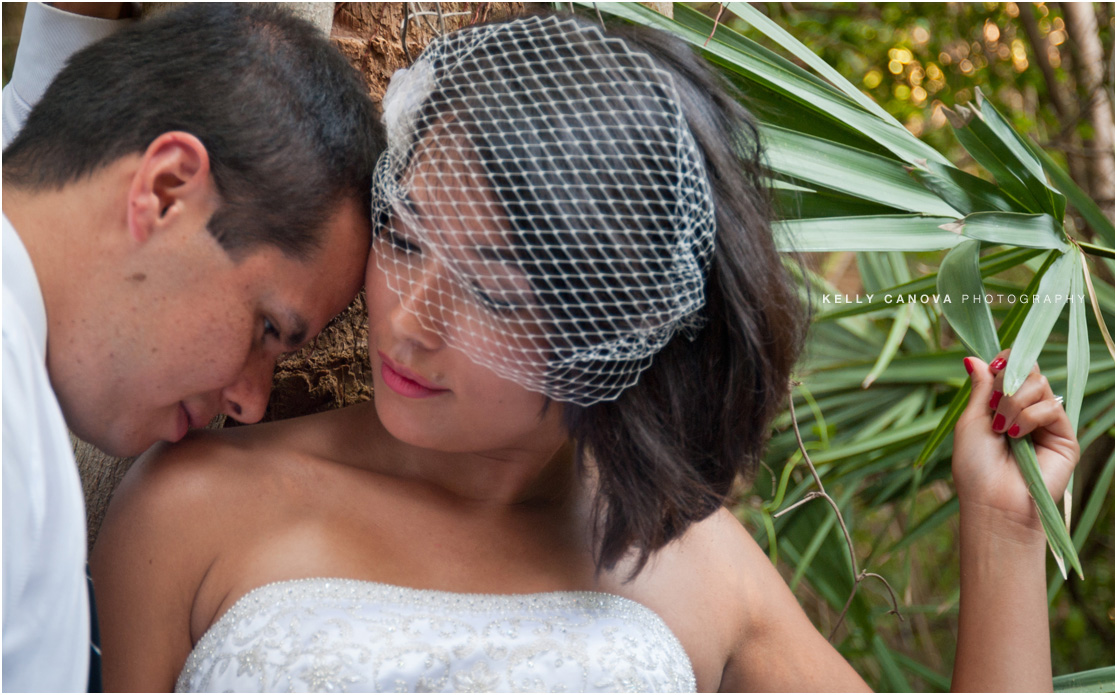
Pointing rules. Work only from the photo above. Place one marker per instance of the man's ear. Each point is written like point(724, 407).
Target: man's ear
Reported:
point(173, 175)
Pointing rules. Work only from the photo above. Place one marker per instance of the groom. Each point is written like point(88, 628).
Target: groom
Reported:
point(186, 201)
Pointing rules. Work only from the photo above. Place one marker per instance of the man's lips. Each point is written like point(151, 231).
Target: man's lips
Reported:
point(188, 420)
point(182, 423)
point(196, 421)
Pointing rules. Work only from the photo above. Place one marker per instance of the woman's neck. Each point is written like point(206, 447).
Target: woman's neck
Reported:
point(509, 477)
point(541, 472)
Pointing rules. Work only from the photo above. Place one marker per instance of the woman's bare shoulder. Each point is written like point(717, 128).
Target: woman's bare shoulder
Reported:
point(216, 461)
point(721, 555)
point(774, 645)
point(720, 593)
point(700, 584)
point(192, 490)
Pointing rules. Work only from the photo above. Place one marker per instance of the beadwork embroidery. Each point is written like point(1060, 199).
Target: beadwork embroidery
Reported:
point(338, 635)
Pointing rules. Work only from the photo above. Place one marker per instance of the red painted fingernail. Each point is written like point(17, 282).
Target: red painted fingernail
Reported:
point(997, 364)
point(969, 367)
point(998, 422)
point(1014, 430)
point(995, 399)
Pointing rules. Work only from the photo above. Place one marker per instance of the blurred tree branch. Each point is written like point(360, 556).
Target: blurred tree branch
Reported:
point(1082, 26)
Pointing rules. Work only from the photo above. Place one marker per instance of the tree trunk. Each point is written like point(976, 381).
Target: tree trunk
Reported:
point(320, 14)
point(1059, 96)
point(1082, 26)
point(333, 371)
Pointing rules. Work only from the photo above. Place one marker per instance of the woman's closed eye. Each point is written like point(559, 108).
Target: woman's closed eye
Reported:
point(503, 300)
point(395, 240)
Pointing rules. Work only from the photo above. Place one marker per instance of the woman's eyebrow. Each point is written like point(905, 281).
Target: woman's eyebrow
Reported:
point(410, 205)
point(499, 254)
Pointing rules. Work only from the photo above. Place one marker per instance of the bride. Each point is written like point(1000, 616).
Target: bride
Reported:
point(580, 332)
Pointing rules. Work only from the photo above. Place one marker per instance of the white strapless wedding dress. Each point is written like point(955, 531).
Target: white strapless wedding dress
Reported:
point(338, 635)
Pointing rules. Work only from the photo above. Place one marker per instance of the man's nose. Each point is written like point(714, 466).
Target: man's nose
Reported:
point(246, 399)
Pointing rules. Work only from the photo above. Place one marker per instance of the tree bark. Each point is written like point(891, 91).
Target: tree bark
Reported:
point(1082, 27)
point(667, 9)
point(320, 14)
point(1064, 104)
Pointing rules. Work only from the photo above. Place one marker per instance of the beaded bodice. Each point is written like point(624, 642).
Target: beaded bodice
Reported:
point(334, 635)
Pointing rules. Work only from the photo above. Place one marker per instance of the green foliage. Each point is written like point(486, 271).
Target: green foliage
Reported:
point(1096, 681)
point(911, 59)
point(882, 380)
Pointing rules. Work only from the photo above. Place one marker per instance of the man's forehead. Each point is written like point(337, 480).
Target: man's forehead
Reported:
point(303, 293)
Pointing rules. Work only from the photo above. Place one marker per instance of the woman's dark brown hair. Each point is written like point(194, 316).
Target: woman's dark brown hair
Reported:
point(668, 451)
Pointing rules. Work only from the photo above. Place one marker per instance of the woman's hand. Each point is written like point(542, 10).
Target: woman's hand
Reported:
point(1003, 641)
point(986, 477)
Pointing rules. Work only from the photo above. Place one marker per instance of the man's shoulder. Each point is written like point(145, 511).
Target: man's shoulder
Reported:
point(20, 345)
point(25, 319)
point(34, 427)
point(45, 611)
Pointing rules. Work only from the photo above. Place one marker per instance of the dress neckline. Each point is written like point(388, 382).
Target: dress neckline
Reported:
point(355, 594)
point(465, 600)
point(386, 587)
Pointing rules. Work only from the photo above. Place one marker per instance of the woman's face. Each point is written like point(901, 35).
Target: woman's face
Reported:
point(440, 284)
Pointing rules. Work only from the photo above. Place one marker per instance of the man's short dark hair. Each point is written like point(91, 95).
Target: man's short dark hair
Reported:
point(287, 122)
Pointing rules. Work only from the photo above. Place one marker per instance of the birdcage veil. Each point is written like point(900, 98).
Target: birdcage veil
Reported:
point(542, 204)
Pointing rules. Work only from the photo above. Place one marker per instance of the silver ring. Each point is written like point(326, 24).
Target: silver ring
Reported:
point(1059, 400)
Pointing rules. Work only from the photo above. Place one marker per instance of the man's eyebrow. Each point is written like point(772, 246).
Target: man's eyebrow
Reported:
point(298, 330)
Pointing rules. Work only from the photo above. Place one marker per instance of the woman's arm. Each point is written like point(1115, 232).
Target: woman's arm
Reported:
point(1003, 641)
point(776, 647)
point(1003, 629)
point(152, 553)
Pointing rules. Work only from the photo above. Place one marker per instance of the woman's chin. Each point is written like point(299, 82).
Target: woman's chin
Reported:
point(407, 424)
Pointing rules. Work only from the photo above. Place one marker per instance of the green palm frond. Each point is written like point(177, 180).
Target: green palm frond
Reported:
point(882, 382)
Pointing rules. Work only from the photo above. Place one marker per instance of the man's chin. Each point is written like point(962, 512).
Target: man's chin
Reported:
point(115, 445)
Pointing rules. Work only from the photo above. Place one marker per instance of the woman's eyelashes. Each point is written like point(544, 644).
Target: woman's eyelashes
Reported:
point(395, 240)
point(513, 298)
point(503, 301)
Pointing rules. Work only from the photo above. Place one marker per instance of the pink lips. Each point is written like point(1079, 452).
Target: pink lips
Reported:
point(183, 422)
point(186, 421)
point(406, 383)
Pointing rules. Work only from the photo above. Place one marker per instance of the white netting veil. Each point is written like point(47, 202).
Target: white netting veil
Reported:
point(542, 205)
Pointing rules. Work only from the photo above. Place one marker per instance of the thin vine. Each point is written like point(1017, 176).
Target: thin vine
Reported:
point(858, 575)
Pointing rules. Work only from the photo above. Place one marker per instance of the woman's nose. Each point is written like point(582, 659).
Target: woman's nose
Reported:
point(423, 305)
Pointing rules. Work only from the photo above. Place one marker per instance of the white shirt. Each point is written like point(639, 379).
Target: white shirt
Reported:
point(46, 602)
